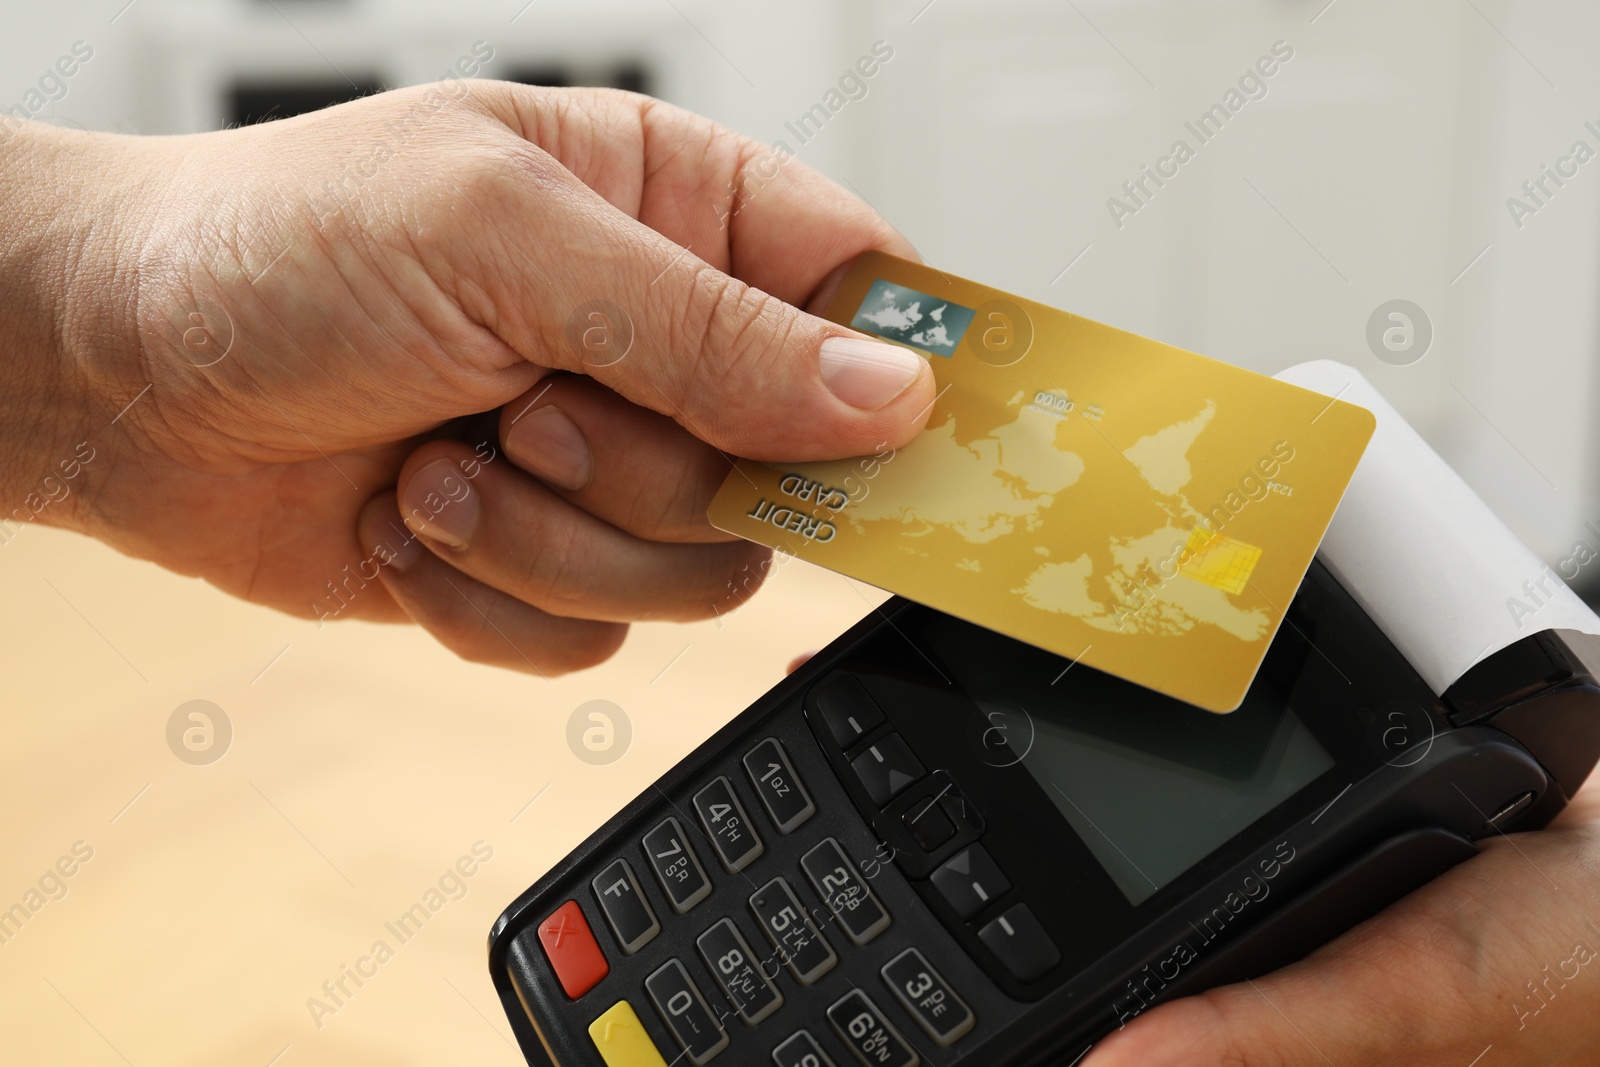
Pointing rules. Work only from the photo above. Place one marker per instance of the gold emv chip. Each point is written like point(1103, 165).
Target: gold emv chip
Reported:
point(1218, 560)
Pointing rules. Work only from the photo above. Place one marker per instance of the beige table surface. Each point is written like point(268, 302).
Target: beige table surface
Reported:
point(365, 761)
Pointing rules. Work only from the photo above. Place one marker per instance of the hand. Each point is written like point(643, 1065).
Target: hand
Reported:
point(545, 317)
point(1495, 962)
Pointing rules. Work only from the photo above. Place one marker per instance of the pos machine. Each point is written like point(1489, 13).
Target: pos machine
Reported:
point(933, 844)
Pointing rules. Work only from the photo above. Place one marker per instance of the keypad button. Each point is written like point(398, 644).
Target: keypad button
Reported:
point(573, 952)
point(928, 823)
point(621, 1039)
point(969, 880)
point(924, 993)
point(677, 868)
point(1021, 944)
point(886, 768)
point(847, 712)
point(840, 885)
point(780, 789)
point(687, 1015)
point(800, 1049)
point(741, 974)
point(868, 1035)
point(626, 910)
point(735, 840)
point(800, 944)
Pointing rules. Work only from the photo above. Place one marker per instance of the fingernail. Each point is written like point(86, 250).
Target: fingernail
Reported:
point(385, 541)
point(548, 444)
point(438, 503)
point(402, 548)
point(867, 374)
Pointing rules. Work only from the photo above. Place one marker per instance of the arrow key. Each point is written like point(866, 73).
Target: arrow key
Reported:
point(886, 768)
point(969, 880)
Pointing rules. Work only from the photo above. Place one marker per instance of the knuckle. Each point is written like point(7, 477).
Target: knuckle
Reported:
point(720, 325)
point(697, 323)
point(582, 646)
point(484, 634)
point(736, 584)
point(1227, 1036)
point(626, 100)
point(553, 577)
point(706, 581)
point(747, 577)
point(645, 508)
point(477, 195)
point(725, 334)
point(508, 170)
point(661, 510)
point(471, 634)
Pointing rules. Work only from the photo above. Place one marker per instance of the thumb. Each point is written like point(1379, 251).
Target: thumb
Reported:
point(1235, 1025)
point(737, 367)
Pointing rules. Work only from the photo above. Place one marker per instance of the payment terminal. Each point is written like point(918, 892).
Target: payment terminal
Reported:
point(935, 845)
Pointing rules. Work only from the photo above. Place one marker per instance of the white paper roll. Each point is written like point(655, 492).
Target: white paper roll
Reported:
point(1434, 567)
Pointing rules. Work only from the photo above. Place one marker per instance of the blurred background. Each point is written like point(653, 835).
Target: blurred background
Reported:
point(351, 766)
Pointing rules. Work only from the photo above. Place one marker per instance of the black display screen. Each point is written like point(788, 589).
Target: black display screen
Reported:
point(1150, 784)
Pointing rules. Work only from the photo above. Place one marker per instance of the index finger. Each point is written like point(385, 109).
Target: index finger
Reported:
point(595, 291)
point(753, 210)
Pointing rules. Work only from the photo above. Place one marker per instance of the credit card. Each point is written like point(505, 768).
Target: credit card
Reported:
point(1140, 509)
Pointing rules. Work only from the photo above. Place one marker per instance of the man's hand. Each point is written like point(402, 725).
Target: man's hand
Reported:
point(529, 325)
point(1495, 963)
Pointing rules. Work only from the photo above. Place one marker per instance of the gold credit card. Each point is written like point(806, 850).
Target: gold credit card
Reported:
point(1145, 510)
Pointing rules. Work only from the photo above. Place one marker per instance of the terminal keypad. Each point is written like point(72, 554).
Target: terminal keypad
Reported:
point(721, 994)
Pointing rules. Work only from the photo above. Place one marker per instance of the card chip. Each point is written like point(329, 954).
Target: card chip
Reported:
point(1219, 561)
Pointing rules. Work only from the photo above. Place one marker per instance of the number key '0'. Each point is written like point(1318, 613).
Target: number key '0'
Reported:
point(678, 1000)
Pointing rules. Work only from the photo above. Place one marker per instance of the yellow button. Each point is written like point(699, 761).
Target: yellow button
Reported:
point(621, 1039)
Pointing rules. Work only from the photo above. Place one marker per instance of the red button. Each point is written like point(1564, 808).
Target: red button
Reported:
point(572, 949)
